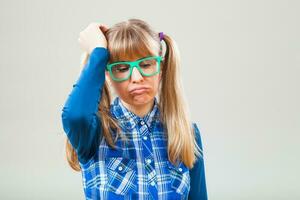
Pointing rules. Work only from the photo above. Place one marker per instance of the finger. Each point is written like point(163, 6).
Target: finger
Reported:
point(103, 28)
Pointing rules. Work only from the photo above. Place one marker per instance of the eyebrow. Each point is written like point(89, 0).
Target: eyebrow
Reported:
point(134, 60)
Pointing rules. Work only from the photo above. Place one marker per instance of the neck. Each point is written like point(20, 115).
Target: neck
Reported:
point(140, 110)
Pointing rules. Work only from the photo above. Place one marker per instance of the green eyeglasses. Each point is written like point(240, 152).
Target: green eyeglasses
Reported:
point(121, 71)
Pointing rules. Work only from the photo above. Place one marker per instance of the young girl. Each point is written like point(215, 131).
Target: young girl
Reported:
point(143, 144)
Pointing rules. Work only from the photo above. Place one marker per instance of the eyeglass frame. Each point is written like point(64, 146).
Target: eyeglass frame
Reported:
point(134, 64)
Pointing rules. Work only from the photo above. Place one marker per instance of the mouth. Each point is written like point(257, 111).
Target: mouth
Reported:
point(139, 91)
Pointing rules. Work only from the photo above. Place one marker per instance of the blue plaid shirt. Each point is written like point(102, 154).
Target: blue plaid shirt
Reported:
point(139, 167)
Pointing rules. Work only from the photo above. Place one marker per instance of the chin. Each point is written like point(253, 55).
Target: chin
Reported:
point(141, 99)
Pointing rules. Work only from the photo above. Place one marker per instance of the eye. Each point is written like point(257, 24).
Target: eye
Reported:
point(148, 63)
point(123, 69)
point(145, 65)
point(119, 68)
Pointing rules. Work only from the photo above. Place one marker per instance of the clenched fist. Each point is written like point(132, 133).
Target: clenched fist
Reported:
point(92, 37)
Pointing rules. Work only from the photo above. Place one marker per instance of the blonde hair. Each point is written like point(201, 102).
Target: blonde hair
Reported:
point(135, 37)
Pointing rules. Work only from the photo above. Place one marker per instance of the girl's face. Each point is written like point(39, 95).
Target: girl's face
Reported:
point(141, 97)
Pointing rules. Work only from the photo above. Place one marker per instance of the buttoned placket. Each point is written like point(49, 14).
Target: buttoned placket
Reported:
point(149, 159)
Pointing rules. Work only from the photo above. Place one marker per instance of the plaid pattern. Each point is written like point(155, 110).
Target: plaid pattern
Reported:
point(139, 167)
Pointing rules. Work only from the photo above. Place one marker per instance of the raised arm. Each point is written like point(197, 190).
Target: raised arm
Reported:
point(79, 119)
point(197, 173)
point(79, 114)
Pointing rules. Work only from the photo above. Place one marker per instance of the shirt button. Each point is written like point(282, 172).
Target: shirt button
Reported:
point(142, 123)
point(120, 168)
point(152, 183)
point(148, 161)
point(145, 138)
point(180, 169)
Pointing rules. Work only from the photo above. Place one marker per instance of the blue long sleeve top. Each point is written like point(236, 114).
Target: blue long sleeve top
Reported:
point(139, 169)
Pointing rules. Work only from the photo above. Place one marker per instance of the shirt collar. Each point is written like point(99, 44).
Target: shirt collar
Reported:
point(128, 119)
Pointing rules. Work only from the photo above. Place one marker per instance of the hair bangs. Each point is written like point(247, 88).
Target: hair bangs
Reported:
point(130, 46)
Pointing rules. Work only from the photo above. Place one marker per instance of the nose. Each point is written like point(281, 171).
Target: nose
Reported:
point(136, 76)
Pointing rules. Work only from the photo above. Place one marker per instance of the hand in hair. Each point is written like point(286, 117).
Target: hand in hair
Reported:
point(92, 36)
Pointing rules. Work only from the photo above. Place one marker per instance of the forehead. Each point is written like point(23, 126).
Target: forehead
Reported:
point(130, 57)
point(130, 53)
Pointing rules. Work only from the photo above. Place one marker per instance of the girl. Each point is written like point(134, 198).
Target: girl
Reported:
point(143, 144)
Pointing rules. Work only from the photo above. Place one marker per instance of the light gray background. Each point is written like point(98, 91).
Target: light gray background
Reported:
point(240, 69)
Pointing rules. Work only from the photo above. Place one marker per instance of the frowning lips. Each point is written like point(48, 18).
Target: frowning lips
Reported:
point(138, 89)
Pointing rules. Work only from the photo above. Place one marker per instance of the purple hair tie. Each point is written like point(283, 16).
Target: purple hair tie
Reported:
point(161, 36)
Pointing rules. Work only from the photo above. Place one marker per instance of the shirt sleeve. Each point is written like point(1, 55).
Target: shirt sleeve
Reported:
point(79, 116)
point(198, 189)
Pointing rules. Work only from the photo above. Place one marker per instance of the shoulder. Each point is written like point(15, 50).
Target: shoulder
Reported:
point(197, 135)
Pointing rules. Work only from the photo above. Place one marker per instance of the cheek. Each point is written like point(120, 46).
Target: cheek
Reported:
point(157, 80)
point(121, 88)
point(155, 84)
